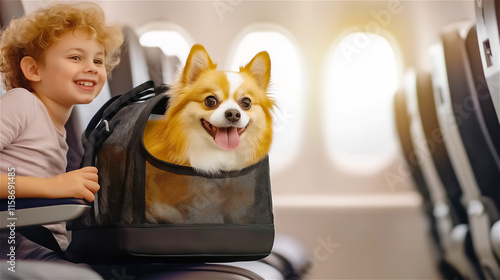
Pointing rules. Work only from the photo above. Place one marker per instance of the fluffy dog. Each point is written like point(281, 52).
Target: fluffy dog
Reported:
point(215, 121)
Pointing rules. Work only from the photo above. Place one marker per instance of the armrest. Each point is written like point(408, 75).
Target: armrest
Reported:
point(495, 238)
point(456, 253)
point(290, 257)
point(39, 211)
point(47, 270)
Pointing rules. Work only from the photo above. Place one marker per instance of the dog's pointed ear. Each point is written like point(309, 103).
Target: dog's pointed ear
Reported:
point(198, 61)
point(260, 68)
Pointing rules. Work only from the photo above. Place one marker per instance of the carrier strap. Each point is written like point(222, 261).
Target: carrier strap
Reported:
point(98, 130)
point(137, 144)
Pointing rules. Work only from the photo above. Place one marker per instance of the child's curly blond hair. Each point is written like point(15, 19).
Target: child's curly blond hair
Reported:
point(34, 33)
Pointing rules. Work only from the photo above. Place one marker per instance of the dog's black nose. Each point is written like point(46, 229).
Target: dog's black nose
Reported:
point(233, 115)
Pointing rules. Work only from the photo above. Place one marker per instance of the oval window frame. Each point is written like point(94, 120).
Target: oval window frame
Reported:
point(362, 164)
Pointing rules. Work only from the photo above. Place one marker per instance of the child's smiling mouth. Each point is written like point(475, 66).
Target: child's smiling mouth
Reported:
point(85, 83)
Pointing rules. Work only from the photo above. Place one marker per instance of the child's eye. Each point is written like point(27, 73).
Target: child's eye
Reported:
point(98, 61)
point(74, 57)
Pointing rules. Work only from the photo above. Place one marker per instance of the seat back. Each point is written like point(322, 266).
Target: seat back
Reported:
point(403, 122)
point(133, 68)
point(8, 11)
point(170, 67)
point(480, 129)
point(450, 229)
point(426, 116)
point(2, 90)
point(488, 37)
point(162, 68)
point(466, 137)
point(450, 213)
point(154, 56)
point(450, 76)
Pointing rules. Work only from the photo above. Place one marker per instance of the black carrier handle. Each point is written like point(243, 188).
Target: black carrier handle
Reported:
point(137, 144)
point(98, 129)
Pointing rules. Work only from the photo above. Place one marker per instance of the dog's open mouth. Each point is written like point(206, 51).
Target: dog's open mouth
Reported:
point(227, 138)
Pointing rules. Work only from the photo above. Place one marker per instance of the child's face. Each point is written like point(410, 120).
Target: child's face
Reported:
point(72, 70)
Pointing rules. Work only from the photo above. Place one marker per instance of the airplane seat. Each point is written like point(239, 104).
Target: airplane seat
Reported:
point(467, 138)
point(495, 237)
point(452, 215)
point(9, 10)
point(170, 64)
point(448, 224)
point(289, 257)
point(157, 271)
point(481, 130)
point(43, 270)
point(133, 69)
point(488, 36)
point(2, 90)
point(485, 159)
point(154, 57)
point(403, 122)
point(162, 68)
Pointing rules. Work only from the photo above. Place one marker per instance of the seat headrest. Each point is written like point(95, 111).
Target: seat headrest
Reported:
point(9, 10)
point(170, 64)
point(485, 96)
point(133, 69)
point(488, 37)
point(162, 68)
point(154, 56)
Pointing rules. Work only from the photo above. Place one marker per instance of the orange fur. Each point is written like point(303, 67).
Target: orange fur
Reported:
point(177, 137)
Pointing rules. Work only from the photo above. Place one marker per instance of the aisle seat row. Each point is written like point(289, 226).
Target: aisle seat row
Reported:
point(448, 124)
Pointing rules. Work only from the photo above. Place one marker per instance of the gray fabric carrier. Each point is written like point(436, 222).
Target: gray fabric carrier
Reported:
point(227, 217)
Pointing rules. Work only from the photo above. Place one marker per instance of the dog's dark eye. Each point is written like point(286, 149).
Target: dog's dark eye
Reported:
point(211, 102)
point(246, 103)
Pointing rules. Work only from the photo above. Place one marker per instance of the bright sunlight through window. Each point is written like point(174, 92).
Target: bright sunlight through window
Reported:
point(286, 88)
point(360, 79)
point(172, 43)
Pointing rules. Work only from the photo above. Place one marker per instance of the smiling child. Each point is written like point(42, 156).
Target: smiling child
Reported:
point(50, 60)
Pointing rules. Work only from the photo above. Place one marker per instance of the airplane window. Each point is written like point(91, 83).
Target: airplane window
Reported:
point(360, 78)
point(172, 39)
point(286, 88)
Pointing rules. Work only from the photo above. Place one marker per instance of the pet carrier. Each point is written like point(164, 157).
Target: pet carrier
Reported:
point(227, 217)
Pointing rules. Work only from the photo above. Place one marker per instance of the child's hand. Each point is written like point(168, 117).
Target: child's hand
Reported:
point(80, 183)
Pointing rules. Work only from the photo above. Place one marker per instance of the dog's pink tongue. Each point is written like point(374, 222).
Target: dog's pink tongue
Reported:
point(227, 138)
